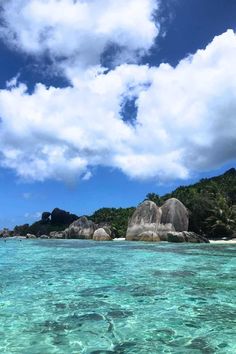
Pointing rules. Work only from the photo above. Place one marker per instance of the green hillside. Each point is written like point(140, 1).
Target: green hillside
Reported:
point(211, 204)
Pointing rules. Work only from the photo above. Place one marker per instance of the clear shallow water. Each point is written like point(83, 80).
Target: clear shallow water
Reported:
point(76, 297)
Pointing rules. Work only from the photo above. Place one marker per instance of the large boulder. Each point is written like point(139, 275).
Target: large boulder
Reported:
point(149, 236)
point(145, 218)
point(81, 229)
point(175, 213)
point(186, 236)
point(101, 235)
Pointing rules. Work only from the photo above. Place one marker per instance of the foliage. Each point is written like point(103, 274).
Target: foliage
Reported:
point(204, 198)
point(211, 204)
point(222, 221)
point(153, 197)
point(117, 218)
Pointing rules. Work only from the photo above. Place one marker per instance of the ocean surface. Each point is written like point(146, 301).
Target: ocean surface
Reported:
point(77, 297)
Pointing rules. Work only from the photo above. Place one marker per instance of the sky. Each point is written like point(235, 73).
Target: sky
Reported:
point(104, 101)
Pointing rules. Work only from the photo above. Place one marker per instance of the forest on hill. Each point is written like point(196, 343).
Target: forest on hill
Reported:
point(211, 203)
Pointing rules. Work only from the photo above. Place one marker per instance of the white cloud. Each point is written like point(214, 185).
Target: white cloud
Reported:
point(35, 215)
point(185, 115)
point(76, 33)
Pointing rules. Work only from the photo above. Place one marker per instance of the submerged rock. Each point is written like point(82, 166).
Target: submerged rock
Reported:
point(175, 213)
point(101, 235)
point(145, 219)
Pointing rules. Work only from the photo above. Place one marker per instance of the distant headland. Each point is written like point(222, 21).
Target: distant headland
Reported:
point(196, 213)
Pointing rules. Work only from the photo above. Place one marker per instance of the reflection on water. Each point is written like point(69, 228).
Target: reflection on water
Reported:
point(66, 296)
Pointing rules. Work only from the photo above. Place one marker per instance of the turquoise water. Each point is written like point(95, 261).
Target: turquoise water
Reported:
point(74, 297)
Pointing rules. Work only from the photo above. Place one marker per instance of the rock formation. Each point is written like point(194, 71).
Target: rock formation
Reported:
point(145, 219)
point(101, 235)
point(186, 236)
point(5, 233)
point(150, 223)
point(149, 236)
point(30, 236)
point(81, 229)
point(175, 213)
point(57, 234)
point(60, 217)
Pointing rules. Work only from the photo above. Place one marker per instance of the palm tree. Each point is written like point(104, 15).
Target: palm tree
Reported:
point(222, 221)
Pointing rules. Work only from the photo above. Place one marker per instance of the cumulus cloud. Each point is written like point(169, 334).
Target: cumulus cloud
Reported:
point(185, 115)
point(76, 33)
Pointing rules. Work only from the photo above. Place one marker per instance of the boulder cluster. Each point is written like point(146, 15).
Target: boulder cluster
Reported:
point(148, 223)
point(166, 223)
point(84, 229)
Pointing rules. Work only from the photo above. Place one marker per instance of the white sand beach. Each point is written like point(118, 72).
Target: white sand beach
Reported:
point(223, 241)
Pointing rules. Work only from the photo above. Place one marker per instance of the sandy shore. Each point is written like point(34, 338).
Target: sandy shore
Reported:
point(223, 241)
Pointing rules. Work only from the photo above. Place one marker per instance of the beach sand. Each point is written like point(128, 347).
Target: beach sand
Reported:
point(224, 241)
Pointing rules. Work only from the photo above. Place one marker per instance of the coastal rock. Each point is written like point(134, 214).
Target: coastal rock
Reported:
point(163, 229)
point(101, 235)
point(30, 236)
point(175, 213)
point(149, 236)
point(81, 229)
point(5, 233)
point(145, 218)
point(57, 234)
point(175, 237)
point(44, 236)
point(186, 236)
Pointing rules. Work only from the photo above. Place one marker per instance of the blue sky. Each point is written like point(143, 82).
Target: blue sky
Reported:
point(109, 121)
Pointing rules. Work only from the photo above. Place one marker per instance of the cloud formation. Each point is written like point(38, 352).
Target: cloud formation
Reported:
point(77, 33)
point(185, 115)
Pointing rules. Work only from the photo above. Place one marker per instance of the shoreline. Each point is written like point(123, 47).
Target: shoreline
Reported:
point(220, 241)
point(233, 241)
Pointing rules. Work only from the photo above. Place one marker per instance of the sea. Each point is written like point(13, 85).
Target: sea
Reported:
point(86, 297)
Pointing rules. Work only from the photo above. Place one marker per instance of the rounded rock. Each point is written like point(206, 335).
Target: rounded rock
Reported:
point(175, 213)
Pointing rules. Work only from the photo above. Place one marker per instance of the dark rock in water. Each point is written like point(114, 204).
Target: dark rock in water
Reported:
point(175, 213)
point(175, 237)
point(120, 313)
point(186, 236)
point(90, 317)
point(145, 218)
point(102, 352)
point(81, 229)
point(124, 347)
point(101, 235)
